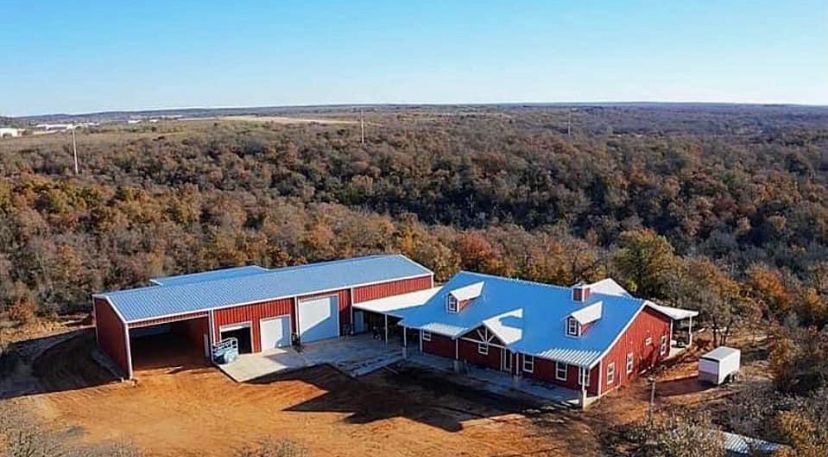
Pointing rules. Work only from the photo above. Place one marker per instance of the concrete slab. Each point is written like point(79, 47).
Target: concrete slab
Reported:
point(499, 382)
point(355, 355)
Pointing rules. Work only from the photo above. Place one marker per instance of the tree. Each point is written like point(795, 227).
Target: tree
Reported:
point(677, 433)
point(645, 261)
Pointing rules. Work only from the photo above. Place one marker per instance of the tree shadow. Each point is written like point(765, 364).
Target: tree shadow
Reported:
point(52, 364)
point(681, 386)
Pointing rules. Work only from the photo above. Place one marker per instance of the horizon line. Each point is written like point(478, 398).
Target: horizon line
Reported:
point(410, 104)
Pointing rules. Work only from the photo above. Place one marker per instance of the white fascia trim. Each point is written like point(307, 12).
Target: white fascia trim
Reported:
point(234, 305)
point(621, 333)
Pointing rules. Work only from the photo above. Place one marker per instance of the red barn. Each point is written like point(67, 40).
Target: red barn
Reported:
point(262, 308)
point(592, 338)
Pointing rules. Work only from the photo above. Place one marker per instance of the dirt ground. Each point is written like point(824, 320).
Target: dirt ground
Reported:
point(181, 407)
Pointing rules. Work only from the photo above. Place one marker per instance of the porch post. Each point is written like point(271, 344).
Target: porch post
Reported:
point(690, 333)
point(405, 343)
point(583, 389)
point(386, 328)
point(456, 361)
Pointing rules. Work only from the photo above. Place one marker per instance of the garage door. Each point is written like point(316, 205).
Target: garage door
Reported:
point(275, 332)
point(318, 319)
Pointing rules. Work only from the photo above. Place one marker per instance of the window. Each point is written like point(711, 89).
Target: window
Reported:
point(572, 327)
point(528, 363)
point(483, 348)
point(611, 373)
point(426, 335)
point(648, 341)
point(663, 344)
point(584, 377)
point(451, 303)
point(560, 371)
point(630, 361)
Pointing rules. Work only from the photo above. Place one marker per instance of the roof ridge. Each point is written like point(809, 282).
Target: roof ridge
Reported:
point(266, 273)
point(551, 286)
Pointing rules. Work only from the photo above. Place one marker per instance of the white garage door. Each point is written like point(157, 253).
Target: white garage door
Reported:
point(275, 332)
point(318, 319)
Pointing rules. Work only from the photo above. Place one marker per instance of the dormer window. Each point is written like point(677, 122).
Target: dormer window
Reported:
point(452, 304)
point(458, 299)
point(573, 328)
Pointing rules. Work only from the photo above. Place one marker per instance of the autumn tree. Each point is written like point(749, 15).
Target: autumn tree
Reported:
point(646, 262)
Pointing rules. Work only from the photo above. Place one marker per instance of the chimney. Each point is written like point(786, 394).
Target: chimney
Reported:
point(580, 293)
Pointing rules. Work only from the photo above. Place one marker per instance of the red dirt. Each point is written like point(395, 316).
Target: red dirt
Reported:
point(183, 408)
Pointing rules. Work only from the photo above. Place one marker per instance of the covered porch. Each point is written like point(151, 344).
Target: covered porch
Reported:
point(380, 317)
point(681, 328)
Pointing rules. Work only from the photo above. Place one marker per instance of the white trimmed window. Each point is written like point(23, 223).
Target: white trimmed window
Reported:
point(528, 363)
point(648, 341)
point(663, 344)
point(451, 304)
point(426, 335)
point(630, 362)
point(483, 348)
point(573, 328)
point(611, 373)
point(584, 377)
point(561, 370)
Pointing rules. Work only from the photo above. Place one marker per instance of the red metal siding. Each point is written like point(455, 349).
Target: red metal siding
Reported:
point(545, 371)
point(343, 298)
point(253, 313)
point(468, 352)
point(648, 323)
point(390, 288)
point(166, 320)
point(111, 334)
point(439, 345)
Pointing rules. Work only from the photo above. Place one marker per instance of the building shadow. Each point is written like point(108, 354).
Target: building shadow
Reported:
point(409, 393)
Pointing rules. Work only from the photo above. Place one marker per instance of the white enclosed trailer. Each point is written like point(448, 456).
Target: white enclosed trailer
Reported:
point(719, 365)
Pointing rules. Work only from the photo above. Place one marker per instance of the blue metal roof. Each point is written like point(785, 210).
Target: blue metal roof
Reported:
point(157, 301)
point(529, 317)
point(214, 275)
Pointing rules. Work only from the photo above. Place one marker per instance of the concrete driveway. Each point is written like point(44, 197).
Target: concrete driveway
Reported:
point(354, 355)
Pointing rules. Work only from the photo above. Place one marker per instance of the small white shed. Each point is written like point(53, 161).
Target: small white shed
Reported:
point(719, 365)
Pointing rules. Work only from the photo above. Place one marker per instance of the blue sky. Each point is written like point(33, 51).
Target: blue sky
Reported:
point(81, 56)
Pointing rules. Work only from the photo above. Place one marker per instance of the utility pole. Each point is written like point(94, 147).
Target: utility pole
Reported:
point(75, 150)
point(652, 380)
point(362, 126)
point(569, 124)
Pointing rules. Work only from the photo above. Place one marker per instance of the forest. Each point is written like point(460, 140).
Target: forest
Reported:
point(721, 208)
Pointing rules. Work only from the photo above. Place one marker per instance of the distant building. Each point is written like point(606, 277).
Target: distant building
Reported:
point(10, 132)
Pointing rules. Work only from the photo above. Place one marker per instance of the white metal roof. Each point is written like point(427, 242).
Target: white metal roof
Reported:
point(507, 326)
point(720, 353)
point(589, 313)
point(168, 300)
point(608, 286)
point(467, 292)
point(744, 445)
point(528, 317)
point(390, 305)
point(676, 314)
